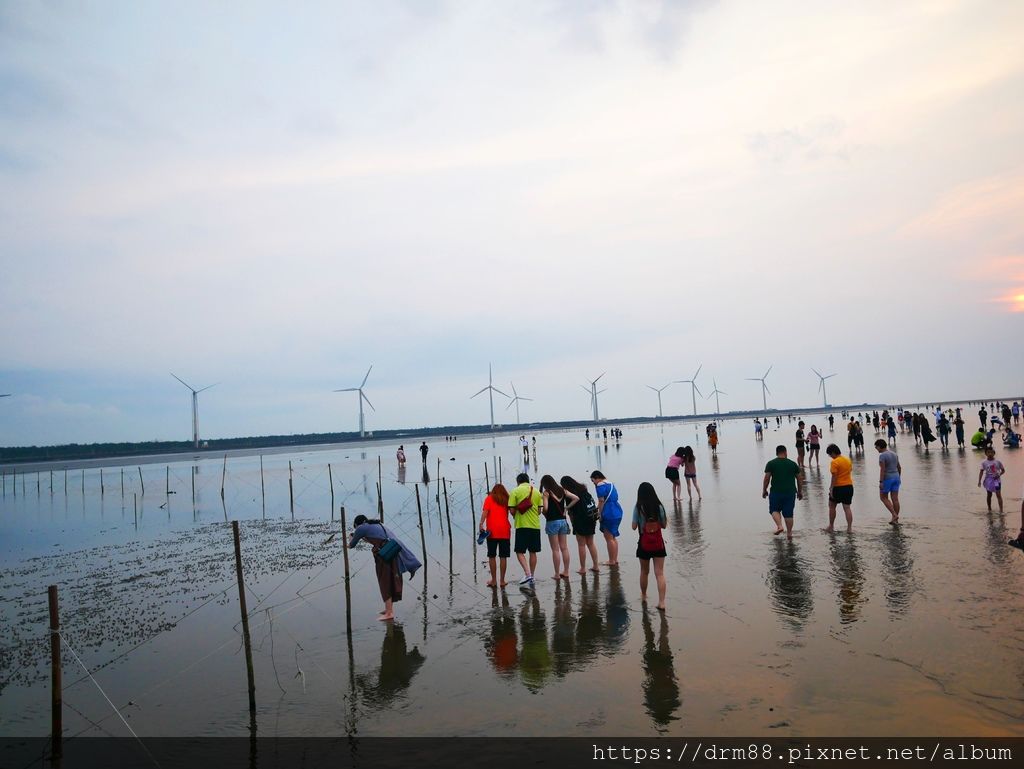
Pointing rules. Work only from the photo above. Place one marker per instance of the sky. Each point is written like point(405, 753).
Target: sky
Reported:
point(274, 198)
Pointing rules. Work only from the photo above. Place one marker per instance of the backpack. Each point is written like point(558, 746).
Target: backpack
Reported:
point(589, 505)
point(526, 503)
point(650, 535)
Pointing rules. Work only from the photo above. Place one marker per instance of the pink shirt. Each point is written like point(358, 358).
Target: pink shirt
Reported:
point(674, 461)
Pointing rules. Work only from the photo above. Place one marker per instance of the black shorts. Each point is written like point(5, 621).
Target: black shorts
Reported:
point(842, 495)
point(672, 473)
point(497, 547)
point(527, 540)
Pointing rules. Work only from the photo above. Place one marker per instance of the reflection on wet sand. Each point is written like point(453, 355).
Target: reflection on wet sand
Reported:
point(398, 666)
point(661, 689)
point(848, 574)
point(687, 538)
point(597, 628)
point(900, 583)
point(789, 587)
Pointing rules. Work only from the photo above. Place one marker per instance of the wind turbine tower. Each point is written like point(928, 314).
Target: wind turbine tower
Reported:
point(492, 389)
point(716, 392)
point(821, 385)
point(594, 392)
point(195, 406)
point(516, 400)
point(764, 387)
point(659, 391)
point(694, 392)
point(362, 397)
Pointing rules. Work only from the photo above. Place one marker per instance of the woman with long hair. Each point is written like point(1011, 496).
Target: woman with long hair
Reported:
point(672, 473)
point(494, 521)
point(610, 513)
point(557, 527)
point(582, 511)
point(690, 472)
point(650, 520)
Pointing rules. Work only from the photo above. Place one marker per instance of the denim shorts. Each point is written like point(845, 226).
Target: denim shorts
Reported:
point(782, 502)
point(551, 528)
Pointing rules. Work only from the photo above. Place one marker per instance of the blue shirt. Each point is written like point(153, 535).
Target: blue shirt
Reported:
point(407, 560)
point(612, 509)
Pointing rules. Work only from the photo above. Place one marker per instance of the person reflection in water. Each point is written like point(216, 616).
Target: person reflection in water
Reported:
point(789, 587)
point(848, 575)
point(660, 687)
point(535, 657)
point(398, 666)
point(503, 646)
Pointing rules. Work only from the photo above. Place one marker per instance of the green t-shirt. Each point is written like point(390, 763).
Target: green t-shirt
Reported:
point(783, 472)
point(531, 518)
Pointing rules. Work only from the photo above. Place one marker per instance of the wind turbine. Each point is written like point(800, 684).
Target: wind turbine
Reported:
point(195, 406)
point(821, 384)
point(594, 392)
point(516, 400)
point(694, 392)
point(658, 390)
point(764, 387)
point(492, 389)
point(362, 397)
point(716, 392)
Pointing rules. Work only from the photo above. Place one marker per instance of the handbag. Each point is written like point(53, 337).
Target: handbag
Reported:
point(389, 550)
point(597, 514)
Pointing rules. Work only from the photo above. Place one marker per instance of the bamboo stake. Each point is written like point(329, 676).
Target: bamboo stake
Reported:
point(449, 517)
point(330, 478)
point(245, 620)
point(223, 476)
point(487, 477)
point(135, 508)
point(83, 482)
point(472, 504)
point(122, 483)
point(51, 483)
point(142, 483)
point(39, 490)
point(14, 481)
point(380, 505)
point(501, 472)
point(56, 694)
point(291, 492)
point(167, 481)
point(103, 490)
point(423, 538)
point(348, 590)
point(193, 475)
point(65, 481)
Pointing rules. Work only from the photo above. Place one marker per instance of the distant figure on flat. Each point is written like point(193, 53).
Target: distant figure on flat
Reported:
point(400, 456)
point(423, 451)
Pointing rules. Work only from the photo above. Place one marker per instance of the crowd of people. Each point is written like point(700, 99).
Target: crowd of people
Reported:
point(511, 520)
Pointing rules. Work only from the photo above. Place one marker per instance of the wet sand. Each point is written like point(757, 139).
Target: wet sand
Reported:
point(880, 632)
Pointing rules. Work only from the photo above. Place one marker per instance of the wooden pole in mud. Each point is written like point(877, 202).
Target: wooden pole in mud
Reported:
point(223, 476)
point(83, 483)
point(39, 489)
point(14, 481)
point(472, 503)
point(330, 478)
point(501, 472)
point(135, 508)
point(51, 483)
point(380, 487)
point(122, 483)
point(348, 590)
point(245, 619)
point(103, 490)
point(263, 491)
point(65, 481)
point(193, 475)
point(142, 483)
point(487, 477)
point(56, 695)
point(291, 492)
point(449, 517)
point(167, 481)
point(472, 517)
point(423, 538)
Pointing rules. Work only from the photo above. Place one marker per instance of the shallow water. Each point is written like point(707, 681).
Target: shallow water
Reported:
point(880, 632)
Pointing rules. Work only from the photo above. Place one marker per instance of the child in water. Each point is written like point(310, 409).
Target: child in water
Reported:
point(990, 474)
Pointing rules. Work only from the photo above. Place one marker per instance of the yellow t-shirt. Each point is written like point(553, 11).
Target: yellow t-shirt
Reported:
point(842, 469)
point(531, 518)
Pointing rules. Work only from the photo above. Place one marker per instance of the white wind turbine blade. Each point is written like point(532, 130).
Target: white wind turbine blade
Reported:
point(596, 380)
point(694, 386)
point(363, 396)
point(482, 390)
point(367, 376)
point(499, 391)
point(183, 381)
point(524, 399)
point(816, 372)
point(348, 390)
point(766, 373)
point(207, 387)
point(697, 372)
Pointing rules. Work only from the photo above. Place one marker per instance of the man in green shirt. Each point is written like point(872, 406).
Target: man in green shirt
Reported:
point(787, 486)
point(525, 502)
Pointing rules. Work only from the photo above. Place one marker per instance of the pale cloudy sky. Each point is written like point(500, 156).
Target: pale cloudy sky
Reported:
point(275, 196)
